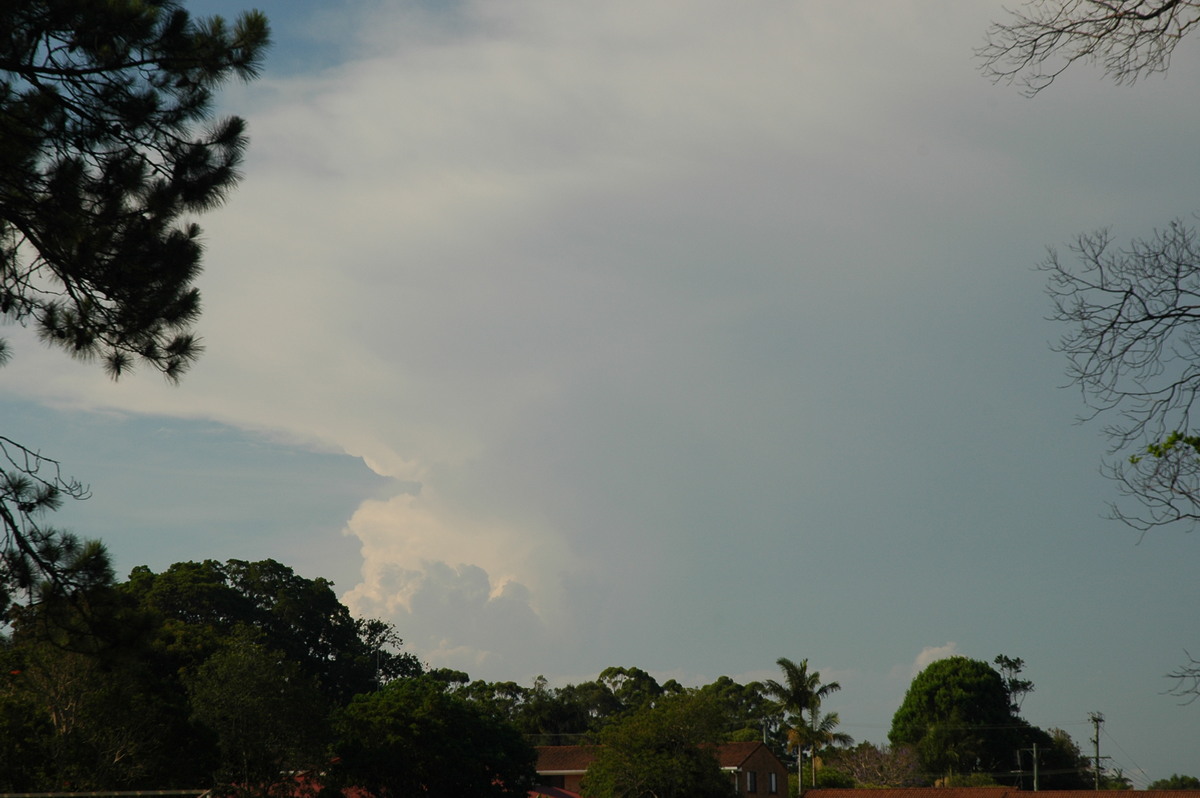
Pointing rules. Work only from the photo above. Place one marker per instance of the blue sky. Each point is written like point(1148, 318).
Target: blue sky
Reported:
point(684, 336)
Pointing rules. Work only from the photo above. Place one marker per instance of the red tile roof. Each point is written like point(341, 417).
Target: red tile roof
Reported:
point(572, 759)
point(732, 755)
point(564, 759)
point(925, 792)
point(991, 792)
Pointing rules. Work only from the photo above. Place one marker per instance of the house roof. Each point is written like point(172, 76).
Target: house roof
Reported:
point(732, 755)
point(923, 792)
point(562, 760)
point(991, 792)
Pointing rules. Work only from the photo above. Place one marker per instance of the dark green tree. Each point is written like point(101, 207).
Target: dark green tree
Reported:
point(1061, 765)
point(632, 687)
point(108, 146)
point(748, 710)
point(266, 715)
point(25, 730)
point(203, 604)
point(99, 713)
point(957, 715)
point(664, 750)
point(413, 737)
point(960, 718)
point(1175, 782)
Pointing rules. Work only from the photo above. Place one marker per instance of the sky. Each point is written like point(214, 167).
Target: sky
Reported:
point(683, 336)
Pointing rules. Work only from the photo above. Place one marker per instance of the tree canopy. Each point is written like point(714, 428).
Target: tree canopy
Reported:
point(1175, 782)
point(240, 664)
point(960, 717)
point(662, 750)
point(202, 603)
point(957, 716)
point(415, 737)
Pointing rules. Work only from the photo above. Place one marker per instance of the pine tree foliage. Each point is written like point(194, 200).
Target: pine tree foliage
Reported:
point(30, 550)
point(107, 143)
point(108, 147)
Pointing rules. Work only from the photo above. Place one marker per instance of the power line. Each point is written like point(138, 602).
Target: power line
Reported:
point(1136, 767)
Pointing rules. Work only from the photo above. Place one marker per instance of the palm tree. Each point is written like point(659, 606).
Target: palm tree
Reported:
point(802, 692)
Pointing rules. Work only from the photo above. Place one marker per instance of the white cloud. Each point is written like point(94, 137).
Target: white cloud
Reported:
point(577, 276)
point(933, 654)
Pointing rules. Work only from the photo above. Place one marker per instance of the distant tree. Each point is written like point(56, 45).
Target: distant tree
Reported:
point(564, 715)
point(1175, 782)
point(632, 687)
point(667, 750)
point(1010, 670)
point(597, 701)
point(749, 712)
point(503, 699)
point(957, 715)
point(800, 692)
point(1061, 764)
point(968, 780)
point(870, 765)
point(107, 145)
point(1115, 780)
point(413, 737)
point(203, 604)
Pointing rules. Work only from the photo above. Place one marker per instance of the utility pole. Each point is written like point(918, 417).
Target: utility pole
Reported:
point(1021, 772)
point(1035, 766)
point(1096, 718)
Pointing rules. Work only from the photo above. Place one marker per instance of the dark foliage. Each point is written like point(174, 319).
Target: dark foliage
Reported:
point(414, 737)
point(107, 146)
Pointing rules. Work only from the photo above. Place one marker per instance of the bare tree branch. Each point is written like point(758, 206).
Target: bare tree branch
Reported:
point(1130, 39)
point(1187, 680)
point(1134, 351)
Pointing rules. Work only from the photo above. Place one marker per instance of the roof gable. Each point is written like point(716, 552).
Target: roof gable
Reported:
point(733, 755)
